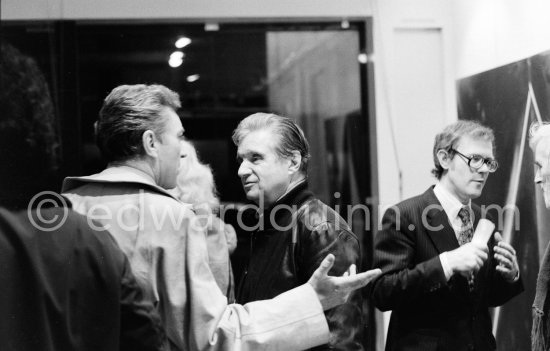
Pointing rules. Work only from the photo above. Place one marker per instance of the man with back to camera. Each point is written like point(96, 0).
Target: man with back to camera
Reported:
point(63, 285)
point(294, 230)
point(140, 133)
point(539, 141)
point(437, 282)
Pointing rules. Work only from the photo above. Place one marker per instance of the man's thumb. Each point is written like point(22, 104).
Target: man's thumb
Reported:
point(326, 265)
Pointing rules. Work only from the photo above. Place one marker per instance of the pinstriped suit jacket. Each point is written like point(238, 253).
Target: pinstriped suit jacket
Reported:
point(429, 313)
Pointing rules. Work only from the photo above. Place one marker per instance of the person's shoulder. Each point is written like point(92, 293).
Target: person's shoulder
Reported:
point(319, 216)
point(63, 228)
point(414, 205)
point(163, 202)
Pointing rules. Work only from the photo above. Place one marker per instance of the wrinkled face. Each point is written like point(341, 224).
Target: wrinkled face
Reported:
point(169, 150)
point(460, 179)
point(542, 168)
point(264, 175)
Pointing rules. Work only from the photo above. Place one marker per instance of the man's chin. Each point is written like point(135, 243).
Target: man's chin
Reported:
point(252, 196)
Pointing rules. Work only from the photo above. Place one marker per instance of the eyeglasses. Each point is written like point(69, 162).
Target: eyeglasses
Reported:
point(477, 161)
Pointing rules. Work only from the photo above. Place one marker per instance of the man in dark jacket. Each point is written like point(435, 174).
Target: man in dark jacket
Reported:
point(64, 286)
point(293, 230)
point(438, 282)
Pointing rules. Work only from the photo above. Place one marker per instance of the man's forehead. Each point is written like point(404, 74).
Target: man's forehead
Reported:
point(471, 144)
point(542, 150)
point(262, 140)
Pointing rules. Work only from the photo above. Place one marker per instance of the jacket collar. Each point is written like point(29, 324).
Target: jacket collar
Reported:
point(115, 174)
point(438, 225)
point(285, 206)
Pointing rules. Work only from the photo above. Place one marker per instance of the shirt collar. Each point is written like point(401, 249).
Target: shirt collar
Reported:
point(450, 203)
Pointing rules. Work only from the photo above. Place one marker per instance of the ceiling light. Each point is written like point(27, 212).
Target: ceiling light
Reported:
point(211, 27)
point(176, 59)
point(182, 42)
point(193, 78)
point(177, 55)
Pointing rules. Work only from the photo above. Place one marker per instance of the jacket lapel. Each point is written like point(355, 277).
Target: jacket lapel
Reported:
point(438, 226)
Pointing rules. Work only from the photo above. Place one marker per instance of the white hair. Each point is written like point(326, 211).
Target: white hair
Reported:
point(195, 183)
point(537, 132)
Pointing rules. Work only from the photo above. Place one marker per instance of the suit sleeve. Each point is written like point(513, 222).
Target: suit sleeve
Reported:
point(202, 319)
point(403, 279)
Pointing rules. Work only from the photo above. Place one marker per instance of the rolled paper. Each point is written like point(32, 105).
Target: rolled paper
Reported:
point(483, 231)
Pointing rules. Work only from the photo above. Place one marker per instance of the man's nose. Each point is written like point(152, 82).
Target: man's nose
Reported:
point(538, 178)
point(244, 169)
point(484, 168)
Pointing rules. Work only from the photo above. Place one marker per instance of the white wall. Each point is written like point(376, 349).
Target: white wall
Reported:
point(415, 93)
point(492, 33)
point(184, 9)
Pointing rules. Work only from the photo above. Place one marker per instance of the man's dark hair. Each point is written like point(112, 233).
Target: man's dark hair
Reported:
point(129, 111)
point(291, 136)
point(29, 139)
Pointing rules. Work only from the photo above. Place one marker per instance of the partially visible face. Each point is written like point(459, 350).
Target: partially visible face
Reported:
point(460, 179)
point(542, 168)
point(262, 171)
point(170, 150)
point(187, 152)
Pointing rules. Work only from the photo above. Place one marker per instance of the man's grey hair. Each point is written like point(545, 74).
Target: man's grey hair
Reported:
point(129, 111)
point(537, 132)
point(291, 138)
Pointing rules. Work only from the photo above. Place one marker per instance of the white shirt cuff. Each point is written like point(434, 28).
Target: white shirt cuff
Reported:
point(445, 264)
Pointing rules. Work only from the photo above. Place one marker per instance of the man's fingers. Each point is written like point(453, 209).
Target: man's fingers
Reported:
point(504, 253)
point(504, 246)
point(498, 237)
point(358, 280)
point(325, 266)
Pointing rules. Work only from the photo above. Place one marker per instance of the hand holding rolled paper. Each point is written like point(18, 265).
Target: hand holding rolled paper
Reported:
point(483, 232)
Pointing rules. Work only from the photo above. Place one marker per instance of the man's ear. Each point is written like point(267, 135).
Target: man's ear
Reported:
point(295, 162)
point(444, 158)
point(149, 141)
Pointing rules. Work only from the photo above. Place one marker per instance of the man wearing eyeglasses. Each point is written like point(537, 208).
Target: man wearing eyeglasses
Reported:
point(435, 279)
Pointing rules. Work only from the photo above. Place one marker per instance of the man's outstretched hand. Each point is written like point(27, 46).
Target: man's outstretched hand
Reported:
point(334, 291)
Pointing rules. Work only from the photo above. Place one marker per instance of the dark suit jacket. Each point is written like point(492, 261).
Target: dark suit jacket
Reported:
point(430, 313)
point(69, 288)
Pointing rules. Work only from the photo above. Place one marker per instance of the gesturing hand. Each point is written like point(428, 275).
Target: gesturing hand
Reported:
point(334, 291)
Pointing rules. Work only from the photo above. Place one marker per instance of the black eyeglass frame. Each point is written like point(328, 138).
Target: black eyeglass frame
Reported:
point(487, 161)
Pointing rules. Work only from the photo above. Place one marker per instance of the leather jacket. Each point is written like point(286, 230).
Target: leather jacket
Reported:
point(288, 243)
